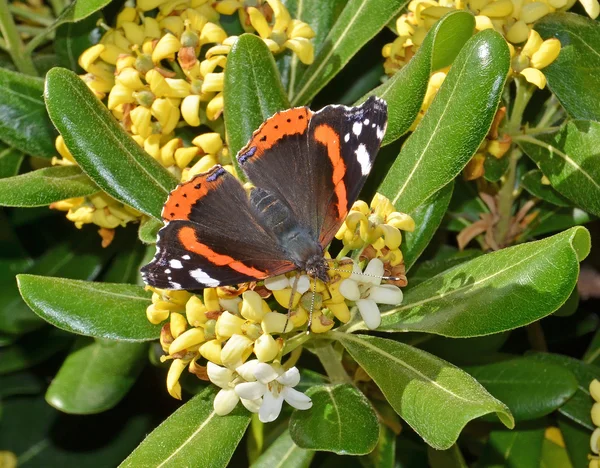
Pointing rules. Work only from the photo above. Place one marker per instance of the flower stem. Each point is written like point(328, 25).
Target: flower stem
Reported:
point(331, 363)
point(14, 43)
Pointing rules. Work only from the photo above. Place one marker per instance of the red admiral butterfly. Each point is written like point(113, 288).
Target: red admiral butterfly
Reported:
point(307, 169)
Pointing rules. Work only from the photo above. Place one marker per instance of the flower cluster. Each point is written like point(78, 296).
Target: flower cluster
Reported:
point(234, 336)
point(595, 439)
point(161, 68)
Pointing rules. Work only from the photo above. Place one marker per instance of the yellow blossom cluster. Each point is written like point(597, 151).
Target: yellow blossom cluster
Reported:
point(162, 68)
point(595, 439)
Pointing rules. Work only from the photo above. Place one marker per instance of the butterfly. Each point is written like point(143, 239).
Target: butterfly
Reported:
point(307, 169)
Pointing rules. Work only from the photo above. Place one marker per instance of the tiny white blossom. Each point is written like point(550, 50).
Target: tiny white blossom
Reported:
point(271, 384)
point(227, 379)
point(366, 290)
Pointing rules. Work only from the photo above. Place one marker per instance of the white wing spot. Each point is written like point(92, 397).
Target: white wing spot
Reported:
point(362, 156)
point(366, 121)
point(174, 285)
point(170, 278)
point(373, 126)
point(357, 128)
point(202, 277)
point(176, 264)
point(347, 137)
point(167, 271)
point(379, 132)
point(186, 257)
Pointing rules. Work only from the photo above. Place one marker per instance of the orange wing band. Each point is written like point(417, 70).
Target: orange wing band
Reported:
point(327, 136)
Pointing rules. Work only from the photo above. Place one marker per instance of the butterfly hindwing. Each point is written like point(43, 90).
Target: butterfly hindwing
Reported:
point(212, 237)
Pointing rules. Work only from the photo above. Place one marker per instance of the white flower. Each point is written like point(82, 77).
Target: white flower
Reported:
point(272, 385)
point(279, 282)
point(227, 398)
point(366, 290)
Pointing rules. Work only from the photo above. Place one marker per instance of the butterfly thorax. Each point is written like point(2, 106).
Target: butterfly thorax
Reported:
point(295, 240)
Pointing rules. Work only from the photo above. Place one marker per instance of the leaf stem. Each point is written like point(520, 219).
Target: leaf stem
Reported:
point(13, 40)
point(31, 15)
point(331, 363)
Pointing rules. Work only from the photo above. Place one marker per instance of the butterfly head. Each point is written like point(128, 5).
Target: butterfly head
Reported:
point(317, 267)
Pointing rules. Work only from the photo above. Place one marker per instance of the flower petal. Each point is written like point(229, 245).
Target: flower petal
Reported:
point(252, 405)
point(270, 408)
point(386, 294)
point(235, 351)
point(266, 348)
point(373, 272)
point(303, 284)
point(265, 373)
point(369, 312)
point(349, 289)
point(290, 378)
point(296, 399)
point(250, 390)
point(246, 370)
point(220, 376)
point(277, 283)
point(225, 401)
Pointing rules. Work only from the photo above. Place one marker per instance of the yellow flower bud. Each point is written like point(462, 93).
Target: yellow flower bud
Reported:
point(222, 49)
point(81, 215)
point(152, 146)
point(557, 3)
point(401, 221)
point(228, 7)
point(534, 11)
point(266, 348)
point(162, 109)
point(173, 376)
point(195, 19)
point(341, 311)
point(151, 28)
point(195, 311)
point(156, 316)
point(112, 53)
point(259, 23)
point(178, 324)
point(189, 339)
point(211, 350)
point(518, 32)
point(183, 156)
point(594, 440)
point(140, 119)
point(303, 48)
point(591, 7)
point(203, 165)
point(321, 323)
point(298, 28)
point(474, 168)
point(236, 351)
point(190, 108)
point(229, 325)
point(8, 459)
point(546, 54)
point(89, 56)
point(134, 32)
point(211, 33)
point(498, 148)
point(119, 39)
point(533, 43)
point(173, 25)
point(209, 142)
point(497, 9)
point(127, 14)
point(252, 306)
point(119, 94)
point(147, 5)
point(273, 322)
point(167, 152)
point(283, 297)
point(62, 149)
point(213, 82)
point(595, 389)
point(483, 22)
point(208, 66)
point(130, 77)
point(166, 47)
point(215, 107)
point(124, 61)
point(169, 6)
point(157, 82)
point(534, 76)
point(596, 414)
point(391, 236)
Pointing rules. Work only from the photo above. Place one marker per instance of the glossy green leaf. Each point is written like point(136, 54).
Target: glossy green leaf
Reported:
point(81, 9)
point(321, 16)
point(435, 398)
point(102, 148)
point(20, 383)
point(102, 310)
point(521, 447)
point(253, 91)
point(194, 435)
point(357, 24)
point(424, 270)
point(574, 77)
point(577, 441)
point(45, 186)
point(341, 420)
point(148, 231)
point(494, 168)
point(125, 267)
point(499, 291)
point(428, 218)
point(455, 124)
point(10, 161)
point(529, 388)
point(32, 349)
point(462, 352)
point(404, 92)
point(284, 452)
point(384, 454)
point(578, 408)
point(553, 219)
point(569, 158)
point(449, 458)
point(96, 375)
point(72, 39)
point(532, 182)
point(83, 261)
point(25, 124)
point(592, 354)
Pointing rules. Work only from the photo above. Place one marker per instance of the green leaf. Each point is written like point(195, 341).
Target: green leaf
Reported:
point(96, 375)
point(81, 9)
point(494, 168)
point(72, 39)
point(384, 454)
point(102, 148)
point(530, 389)
point(569, 158)
point(194, 435)
point(577, 442)
point(125, 267)
point(148, 231)
point(10, 161)
point(554, 455)
point(532, 182)
point(592, 354)
point(499, 291)
point(552, 219)
point(450, 458)
point(253, 91)
point(435, 398)
point(425, 270)
point(404, 92)
point(455, 124)
point(521, 447)
point(574, 77)
point(357, 24)
point(341, 420)
point(579, 407)
point(102, 310)
point(428, 218)
point(45, 186)
point(284, 452)
point(464, 351)
point(25, 124)
point(32, 349)
point(20, 383)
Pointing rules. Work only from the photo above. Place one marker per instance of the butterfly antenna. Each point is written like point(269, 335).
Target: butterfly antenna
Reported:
point(291, 303)
point(388, 278)
point(312, 306)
